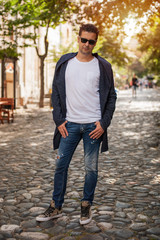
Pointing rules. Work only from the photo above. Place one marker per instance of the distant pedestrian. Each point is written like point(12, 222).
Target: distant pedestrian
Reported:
point(146, 83)
point(141, 84)
point(134, 85)
point(83, 98)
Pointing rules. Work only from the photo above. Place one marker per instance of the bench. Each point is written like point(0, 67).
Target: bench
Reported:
point(6, 109)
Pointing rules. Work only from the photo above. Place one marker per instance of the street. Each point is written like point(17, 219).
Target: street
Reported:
point(127, 197)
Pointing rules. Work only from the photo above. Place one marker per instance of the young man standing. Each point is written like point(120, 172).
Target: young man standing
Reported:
point(83, 98)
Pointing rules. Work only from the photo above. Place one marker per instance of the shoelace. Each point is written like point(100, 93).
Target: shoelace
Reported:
point(49, 210)
point(85, 211)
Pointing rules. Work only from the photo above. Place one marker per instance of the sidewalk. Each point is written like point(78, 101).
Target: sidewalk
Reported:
point(127, 197)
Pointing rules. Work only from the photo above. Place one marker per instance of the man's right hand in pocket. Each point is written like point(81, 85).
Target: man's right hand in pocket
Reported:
point(63, 130)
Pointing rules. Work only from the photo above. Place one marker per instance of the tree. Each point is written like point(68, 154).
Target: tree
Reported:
point(138, 68)
point(112, 49)
point(57, 53)
point(13, 23)
point(34, 13)
point(150, 44)
point(47, 14)
point(8, 46)
point(8, 36)
point(114, 13)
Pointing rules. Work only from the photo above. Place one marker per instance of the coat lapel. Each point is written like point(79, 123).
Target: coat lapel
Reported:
point(61, 69)
point(103, 87)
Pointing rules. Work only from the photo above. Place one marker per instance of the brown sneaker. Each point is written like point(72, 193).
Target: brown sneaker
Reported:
point(50, 213)
point(86, 214)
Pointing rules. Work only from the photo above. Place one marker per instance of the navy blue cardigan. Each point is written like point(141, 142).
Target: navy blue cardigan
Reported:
point(106, 91)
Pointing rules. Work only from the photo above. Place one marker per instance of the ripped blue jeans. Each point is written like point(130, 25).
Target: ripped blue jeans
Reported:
point(76, 132)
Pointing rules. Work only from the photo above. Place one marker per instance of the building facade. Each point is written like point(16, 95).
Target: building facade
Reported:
point(21, 79)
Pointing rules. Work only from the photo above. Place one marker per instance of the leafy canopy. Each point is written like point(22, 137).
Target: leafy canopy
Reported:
point(18, 15)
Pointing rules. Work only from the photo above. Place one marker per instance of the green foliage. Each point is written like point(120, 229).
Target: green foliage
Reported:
point(22, 19)
point(12, 25)
point(112, 49)
point(18, 15)
point(56, 53)
point(138, 68)
point(9, 53)
point(150, 44)
point(158, 82)
point(114, 13)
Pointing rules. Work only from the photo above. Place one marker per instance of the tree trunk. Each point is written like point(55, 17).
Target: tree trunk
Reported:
point(41, 100)
point(3, 76)
point(42, 58)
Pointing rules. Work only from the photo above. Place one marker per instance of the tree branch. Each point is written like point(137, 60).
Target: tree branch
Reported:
point(36, 43)
point(46, 40)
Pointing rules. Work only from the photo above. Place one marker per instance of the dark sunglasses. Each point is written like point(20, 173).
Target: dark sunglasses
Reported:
point(91, 42)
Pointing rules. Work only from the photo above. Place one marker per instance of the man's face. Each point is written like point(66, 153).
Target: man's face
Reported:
point(86, 48)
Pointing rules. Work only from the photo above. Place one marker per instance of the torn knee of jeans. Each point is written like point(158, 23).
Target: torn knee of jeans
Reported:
point(59, 156)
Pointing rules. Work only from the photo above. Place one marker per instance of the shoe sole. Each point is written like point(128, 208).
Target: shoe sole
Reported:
point(83, 222)
point(41, 219)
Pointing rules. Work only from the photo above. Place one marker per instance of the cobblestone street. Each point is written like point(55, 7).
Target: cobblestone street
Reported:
point(127, 197)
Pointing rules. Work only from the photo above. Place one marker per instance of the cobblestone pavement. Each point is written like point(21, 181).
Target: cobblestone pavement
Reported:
point(127, 197)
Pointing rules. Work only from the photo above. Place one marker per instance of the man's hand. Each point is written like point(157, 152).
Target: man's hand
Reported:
point(62, 129)
point(97, 133)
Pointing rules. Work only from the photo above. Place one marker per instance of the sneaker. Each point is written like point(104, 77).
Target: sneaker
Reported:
point(86, 214)
point(50, 213)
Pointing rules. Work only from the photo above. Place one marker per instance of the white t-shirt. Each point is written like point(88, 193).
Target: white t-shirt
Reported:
point(82, 91)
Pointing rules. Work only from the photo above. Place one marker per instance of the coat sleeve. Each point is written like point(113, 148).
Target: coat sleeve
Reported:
point(56, 102)
point(110, 104)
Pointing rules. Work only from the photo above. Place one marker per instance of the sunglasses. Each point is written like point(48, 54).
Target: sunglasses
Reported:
point(91, 42)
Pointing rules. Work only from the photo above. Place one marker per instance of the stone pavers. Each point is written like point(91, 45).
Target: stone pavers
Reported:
point(127, 197)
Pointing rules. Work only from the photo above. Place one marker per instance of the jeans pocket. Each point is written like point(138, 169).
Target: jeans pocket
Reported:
point(68, 123)
point(93, 125)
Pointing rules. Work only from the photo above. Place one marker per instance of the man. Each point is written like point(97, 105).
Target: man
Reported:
point(83, 98)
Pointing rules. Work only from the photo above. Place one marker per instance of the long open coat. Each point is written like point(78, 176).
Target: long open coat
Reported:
point(106, 92)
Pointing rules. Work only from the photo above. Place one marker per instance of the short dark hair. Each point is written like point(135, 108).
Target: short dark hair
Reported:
point(89, 28)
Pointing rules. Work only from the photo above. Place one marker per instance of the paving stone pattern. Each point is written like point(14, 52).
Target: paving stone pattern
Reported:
point(127, 197)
